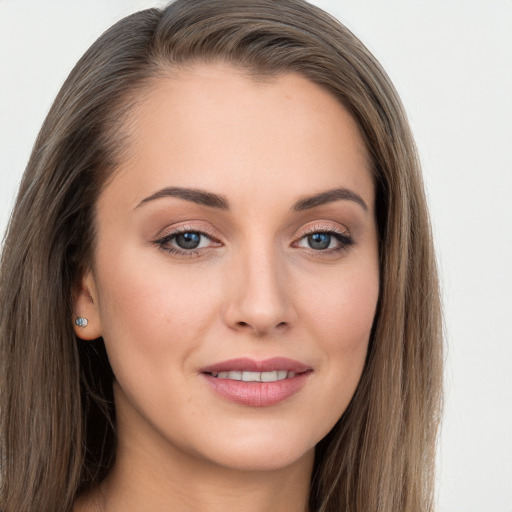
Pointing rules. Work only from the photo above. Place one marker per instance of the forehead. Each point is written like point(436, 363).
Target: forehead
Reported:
point(213, 127)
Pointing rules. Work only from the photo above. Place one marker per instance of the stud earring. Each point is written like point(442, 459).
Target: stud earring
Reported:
point(80, 321)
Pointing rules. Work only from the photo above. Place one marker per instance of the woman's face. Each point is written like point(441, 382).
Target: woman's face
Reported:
point(235, 277)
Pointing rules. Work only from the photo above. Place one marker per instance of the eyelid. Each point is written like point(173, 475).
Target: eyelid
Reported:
point(343, 237)
point(185, 228)
point(323, 227)
point(163, 240)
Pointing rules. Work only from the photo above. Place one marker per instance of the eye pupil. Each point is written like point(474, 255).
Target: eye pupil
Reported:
point(189, 240)
point(319, 240)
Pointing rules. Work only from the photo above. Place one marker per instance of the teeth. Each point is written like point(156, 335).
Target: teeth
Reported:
point(255, 376)
point(251, 376)
point(270, 376)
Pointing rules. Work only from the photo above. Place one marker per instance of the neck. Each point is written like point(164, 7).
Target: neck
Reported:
point(195, 487)
point(217, 490)
point(160, 477)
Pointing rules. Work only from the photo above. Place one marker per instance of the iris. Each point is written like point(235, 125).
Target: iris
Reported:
point(319, 241)
point(189, 240)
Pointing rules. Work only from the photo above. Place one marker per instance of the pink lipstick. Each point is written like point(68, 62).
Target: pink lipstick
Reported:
point(257, 383)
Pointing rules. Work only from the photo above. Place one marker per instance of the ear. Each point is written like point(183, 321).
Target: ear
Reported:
point(85, 305)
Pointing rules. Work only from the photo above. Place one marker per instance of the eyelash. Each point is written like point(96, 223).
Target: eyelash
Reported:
point(343, 238)
point(163, 242)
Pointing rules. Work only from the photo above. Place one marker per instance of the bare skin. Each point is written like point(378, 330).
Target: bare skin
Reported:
point(240, 225)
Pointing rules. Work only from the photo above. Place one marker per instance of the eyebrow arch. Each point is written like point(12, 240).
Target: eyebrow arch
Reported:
point(189, 194)
point(329, 196)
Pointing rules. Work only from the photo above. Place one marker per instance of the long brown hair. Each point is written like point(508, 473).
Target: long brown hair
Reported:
point(58, 435)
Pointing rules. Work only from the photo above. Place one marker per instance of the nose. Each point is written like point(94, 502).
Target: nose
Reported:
point(260, 301)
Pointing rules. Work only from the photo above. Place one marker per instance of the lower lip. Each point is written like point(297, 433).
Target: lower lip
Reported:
point(257, 394)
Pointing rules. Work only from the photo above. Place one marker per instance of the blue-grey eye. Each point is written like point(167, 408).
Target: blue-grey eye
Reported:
point(186, 243)
point(319, 241)
point(188, 240)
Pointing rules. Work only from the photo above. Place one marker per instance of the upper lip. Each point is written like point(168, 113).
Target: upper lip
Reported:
point(251, 365)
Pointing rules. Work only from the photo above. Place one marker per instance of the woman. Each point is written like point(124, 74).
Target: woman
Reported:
point(218, 287)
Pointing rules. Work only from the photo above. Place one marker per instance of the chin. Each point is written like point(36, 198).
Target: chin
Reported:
point(261, 460)
point(259, 452)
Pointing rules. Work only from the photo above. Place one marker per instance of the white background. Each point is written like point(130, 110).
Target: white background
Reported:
point(451, 61)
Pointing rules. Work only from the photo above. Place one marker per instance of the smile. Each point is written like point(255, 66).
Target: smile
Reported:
point(249, 376)
point(251, 383)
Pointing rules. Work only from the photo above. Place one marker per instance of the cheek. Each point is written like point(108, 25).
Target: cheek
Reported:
point(341, 318)
point(150, 308)
point(343, 309)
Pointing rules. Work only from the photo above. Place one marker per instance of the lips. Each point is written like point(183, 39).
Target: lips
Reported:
point(257, 383)
point(250, 365)
point(247, 376)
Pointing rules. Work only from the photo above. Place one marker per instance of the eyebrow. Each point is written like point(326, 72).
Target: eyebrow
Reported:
point(217, 201)
point(190, 194)
point(329, 196)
